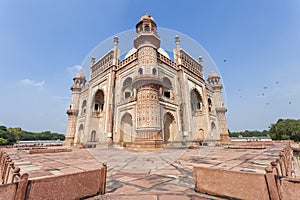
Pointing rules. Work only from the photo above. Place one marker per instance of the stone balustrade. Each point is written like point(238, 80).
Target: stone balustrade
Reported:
point(278, 183)
point(166, 60)
point(104, 63)
point(9, 173)
point(128, 60)
point(192, 65)
point(78, 185)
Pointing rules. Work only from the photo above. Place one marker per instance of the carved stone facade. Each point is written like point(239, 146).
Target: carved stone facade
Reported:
point(146, 100)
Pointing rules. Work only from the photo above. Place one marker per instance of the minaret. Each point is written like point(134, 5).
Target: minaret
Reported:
point(111, 91)
point(147, 83)
point(214, 81)
point(79, 83)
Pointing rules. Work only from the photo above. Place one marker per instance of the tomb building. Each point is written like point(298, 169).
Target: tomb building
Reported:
point(146, 100)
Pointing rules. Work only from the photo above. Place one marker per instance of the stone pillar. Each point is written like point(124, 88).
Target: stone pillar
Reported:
point(111, 92)
point(271, 183)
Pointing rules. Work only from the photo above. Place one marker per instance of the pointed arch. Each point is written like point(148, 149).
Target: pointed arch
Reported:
point(209, 102)
point(126, 128)
point(169, 127)
point(93, 136)
point(127, 88)
point(98, 101)
point(167, 87)
point(196, 101)
point(83, 107)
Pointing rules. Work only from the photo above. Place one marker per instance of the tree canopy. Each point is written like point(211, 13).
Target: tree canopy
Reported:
point(285, 129)
point(9, 136)
point(248, 133)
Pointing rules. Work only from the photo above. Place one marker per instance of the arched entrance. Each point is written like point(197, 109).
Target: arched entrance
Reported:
point(169, 127)
point(126, 128)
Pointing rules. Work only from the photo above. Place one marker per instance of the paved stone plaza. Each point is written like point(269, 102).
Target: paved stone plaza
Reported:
point(161, 174)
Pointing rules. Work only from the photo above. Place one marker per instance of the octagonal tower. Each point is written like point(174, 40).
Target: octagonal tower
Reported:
point(147, 84)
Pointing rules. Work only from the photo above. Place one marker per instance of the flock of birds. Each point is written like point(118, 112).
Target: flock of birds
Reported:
point(263, 93)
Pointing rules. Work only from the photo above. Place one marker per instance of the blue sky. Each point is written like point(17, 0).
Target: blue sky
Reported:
point(41, 42)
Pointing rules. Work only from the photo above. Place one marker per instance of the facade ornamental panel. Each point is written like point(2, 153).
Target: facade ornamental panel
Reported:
point(146, 100)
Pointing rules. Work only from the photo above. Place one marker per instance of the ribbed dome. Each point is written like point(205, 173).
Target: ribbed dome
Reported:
point(213, 75)
point(80, 75)
point(146, 16)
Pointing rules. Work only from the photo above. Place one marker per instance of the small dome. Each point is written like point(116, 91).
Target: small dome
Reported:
point(213, 75)
point(132, 51)
point(80, 75)
point(163, 52)
point(146, 16)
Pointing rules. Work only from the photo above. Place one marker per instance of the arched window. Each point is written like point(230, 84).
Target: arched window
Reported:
point(209, 105)
point(99, 101)
point(167, 87)
point(195, 101)
point(147, 28)
point(83, 107)
point(154, 71)
point(127, 88)
point(93, 136)
point(140, 71)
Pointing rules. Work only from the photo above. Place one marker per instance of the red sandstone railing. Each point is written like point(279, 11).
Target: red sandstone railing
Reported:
point(101, 65)
point(9, 173)
point(128, 60)
point(166, 60)
point(276, 184)
point(13, 185)
point(190, 63)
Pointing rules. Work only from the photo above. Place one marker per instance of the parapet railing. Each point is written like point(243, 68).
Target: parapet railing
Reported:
point(9, 173)
point(14, 185)
point(278, 183)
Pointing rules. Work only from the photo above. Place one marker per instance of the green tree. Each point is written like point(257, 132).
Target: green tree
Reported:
point(18, 132)
point(12, 135)
point(8, 138)
point(3, 141)
point(248, 133)
point(285, 129)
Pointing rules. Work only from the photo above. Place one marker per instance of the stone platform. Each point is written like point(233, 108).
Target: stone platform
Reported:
point(161, 174)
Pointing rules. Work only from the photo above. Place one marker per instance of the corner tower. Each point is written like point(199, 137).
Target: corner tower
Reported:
point(214, 82)
point(79, 83)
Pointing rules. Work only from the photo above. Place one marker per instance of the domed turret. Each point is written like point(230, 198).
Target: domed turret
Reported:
point(79, 79)
point(146, 24)
point(146, 33)
point(213, 78)
point(80, 75)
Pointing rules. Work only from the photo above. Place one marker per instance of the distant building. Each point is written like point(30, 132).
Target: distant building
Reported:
point(146, 100)
point(251, 139)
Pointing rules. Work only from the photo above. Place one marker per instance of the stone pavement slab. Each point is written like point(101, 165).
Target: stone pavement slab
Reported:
point(162, 174)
